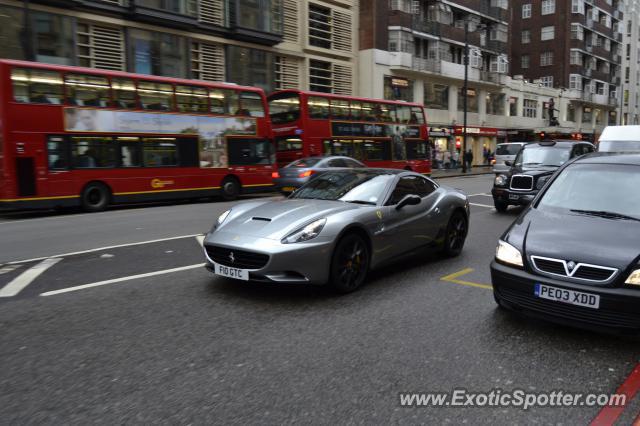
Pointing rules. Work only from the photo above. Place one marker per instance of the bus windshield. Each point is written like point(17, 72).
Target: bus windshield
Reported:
point(284, 108)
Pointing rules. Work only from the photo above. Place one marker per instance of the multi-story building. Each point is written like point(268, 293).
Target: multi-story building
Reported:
point(574, 46)
point(414, 51)
point(267, 43)
point(631, 64)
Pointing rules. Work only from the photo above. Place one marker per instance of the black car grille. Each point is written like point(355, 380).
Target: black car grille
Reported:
point(522, 182)
point(241, 259)
point(581, 272)
point(601, 317)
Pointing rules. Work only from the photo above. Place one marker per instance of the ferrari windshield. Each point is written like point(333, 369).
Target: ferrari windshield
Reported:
point(595, 189)
point(360, 188)
point(554, 156)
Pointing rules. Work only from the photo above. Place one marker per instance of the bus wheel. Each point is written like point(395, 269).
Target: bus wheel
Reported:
point(95, 197)
point(230, 188)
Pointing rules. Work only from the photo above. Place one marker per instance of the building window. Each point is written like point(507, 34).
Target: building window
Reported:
point(577, 6)
point(436, 96)
point(575, 57)
point(577, 32)
point(399, 89)
point(259, 15)
point(251, 67)
point(526, 11)
point(320, 76)
point(472, 100)
point(495, 103)
point(525, 61)
point(513, 107)
point(548, 33)
point(575, 81)
point(526, 36)
point(319, 26)
point(546, 59)
point(401, 41)
point(530, 108)
point(158, 53)
point(586, 114)
point(548, 7)
point(571, 112)
point(182, 7)
point(546, 81)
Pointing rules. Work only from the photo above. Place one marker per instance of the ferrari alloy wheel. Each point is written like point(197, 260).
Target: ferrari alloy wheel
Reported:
point(456, 234)
point(350, 263)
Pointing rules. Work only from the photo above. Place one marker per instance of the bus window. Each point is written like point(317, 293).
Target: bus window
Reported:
point(37, 86)
point(387, 113)
point(403, 114)
point(252, 105)
point(124, 93)
point(245, 152)
point(192, 99)
point(89, 152)
point(377, 150)
point(339, 109)
point(284, 108)
point(223, 101)
point(368, 112)
point(288, 143)
point(155, 96)
point(417, 116)
point(129, 151)
point(159, 152)
point(57, 153)
point(356, 111)
point(87, 90)
point(417, 150)
point(318, 107)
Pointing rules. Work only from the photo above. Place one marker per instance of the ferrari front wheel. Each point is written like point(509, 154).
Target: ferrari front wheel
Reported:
point(456, 234)
point(349, 263)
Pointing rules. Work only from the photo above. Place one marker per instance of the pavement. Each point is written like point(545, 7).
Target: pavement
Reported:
point(474, 171)
point(128, 327)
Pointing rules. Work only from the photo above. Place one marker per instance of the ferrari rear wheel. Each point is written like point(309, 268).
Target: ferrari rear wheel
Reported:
point(456, 234)
point(349, 264)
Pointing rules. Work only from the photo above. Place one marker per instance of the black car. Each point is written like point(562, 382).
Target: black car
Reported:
point(573, 256)
point(533, 166)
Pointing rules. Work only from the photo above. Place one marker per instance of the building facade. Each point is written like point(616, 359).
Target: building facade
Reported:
point(574, 46)
point(272, 44)
point(630, 110)
point(414, 51)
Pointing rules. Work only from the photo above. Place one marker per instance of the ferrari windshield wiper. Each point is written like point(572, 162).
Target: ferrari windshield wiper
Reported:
point(606, 214)
point(366, 203)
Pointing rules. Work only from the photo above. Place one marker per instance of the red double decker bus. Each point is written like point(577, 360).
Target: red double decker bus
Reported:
point(83, 137)
point(379, 133)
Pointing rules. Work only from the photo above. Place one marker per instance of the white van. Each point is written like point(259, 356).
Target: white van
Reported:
point(620, 139)
point(506, 152)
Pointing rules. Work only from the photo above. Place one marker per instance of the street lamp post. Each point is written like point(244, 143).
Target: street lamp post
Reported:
point(464, 91)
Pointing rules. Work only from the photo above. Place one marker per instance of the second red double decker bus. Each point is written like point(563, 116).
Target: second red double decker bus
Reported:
point(391, 134)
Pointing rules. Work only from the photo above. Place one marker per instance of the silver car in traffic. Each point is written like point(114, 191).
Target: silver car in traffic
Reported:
point(337, 227)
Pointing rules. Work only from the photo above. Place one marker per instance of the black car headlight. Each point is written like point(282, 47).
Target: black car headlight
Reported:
point(306, 233)
point(542, 182)
point(508, 254)
point(501, 180)
point(634, 278)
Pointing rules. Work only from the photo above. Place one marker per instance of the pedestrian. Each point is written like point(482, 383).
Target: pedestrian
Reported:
point(447, 159)
point(468, 159)
point(455, 158)
point(485, 155)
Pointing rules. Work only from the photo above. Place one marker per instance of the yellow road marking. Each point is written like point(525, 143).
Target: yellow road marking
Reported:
point(453, 278)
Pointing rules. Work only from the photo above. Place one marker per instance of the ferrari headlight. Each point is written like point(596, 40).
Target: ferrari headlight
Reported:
point(501, 180)
point(506, 253)
point(223, 217)
point(634, 278)
point(308, 232)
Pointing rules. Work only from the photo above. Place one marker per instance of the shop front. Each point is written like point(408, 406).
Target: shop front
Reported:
point(480, 140)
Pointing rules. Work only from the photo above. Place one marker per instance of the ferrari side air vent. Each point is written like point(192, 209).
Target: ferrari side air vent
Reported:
point(263, 219)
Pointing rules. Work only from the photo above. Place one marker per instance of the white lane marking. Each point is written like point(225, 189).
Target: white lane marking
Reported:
point(200, 239)
point(119, 280)
point(24, 279)
point(9, 268)
point(181, 237)
point(481, 205)
point(480, 195)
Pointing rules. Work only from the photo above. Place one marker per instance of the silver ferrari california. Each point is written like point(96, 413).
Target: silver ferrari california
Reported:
point(336, 228)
